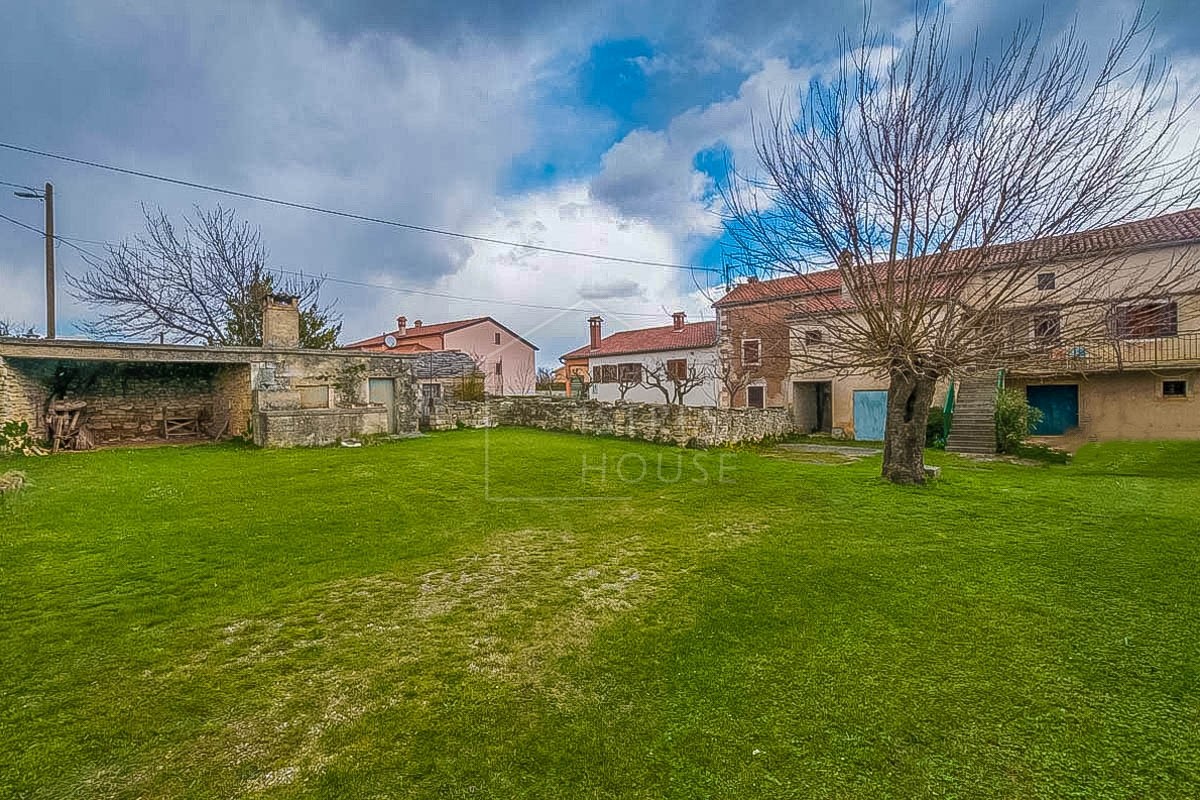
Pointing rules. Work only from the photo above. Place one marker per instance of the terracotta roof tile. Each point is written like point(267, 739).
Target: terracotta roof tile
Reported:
point(649, 340)
point(1181, 226)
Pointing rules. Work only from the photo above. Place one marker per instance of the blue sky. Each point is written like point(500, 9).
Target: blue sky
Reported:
point(592, 126)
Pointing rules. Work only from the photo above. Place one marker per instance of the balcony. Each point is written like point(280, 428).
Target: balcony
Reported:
point(1113, 355)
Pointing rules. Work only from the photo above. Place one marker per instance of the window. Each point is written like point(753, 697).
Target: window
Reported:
point(1047, 328)
point(497, 337)
point(1174, 388)
point(756, 396)
point(629, 373)
point(1149, 320)
point(1045, 281)
point(751, 352)
point(813, 337)
point(677, 369)
point(604, 373)
point(499, 367)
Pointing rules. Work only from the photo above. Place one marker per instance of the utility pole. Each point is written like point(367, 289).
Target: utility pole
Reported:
point(49, 200)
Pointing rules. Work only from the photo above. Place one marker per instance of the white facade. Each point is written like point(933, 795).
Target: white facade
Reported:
point(703, 360)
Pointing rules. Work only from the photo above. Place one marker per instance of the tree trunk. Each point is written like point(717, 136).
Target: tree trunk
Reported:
point(904, 433)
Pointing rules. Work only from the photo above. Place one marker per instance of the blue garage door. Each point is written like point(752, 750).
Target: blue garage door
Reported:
point(1059, 405)
point(870, 411)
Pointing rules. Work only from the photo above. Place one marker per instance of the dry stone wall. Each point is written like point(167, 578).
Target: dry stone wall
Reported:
point(680, 425)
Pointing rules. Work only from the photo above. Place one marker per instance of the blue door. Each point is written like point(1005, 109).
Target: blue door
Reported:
point(870, 411)
point(1059, 404)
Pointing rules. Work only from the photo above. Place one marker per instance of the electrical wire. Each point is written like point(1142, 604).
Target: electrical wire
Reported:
point(352, 215)
point(91, 258)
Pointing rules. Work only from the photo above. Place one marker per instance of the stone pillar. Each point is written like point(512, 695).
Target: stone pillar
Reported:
point(281, 321)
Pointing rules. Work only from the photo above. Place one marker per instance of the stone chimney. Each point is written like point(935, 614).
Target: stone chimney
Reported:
point(281, 321)
point(401, 325)
point(677, 321)
point(594, 324)
point(417, 324)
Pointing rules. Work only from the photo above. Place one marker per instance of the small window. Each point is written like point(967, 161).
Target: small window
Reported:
point(814, 337)
point(499, 367)
point(756, 396)
point(751, 352)
point(604, 373)
point(1045, 281)
point(677, 369)
point(629, 373)
point(497, 337)
point(1151, 320)
point(1047, 328)
point(1174, 388)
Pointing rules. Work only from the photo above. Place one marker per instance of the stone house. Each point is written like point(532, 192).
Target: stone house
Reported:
point(631, 365)
point(505, 359)
point(1136, 380)
point(755, 338)
point(279, 395)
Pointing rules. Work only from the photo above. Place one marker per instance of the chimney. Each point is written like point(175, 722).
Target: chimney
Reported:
point(401, 325)
point(752, 279)
point(594, 324)
point(281, 321)
point(417, 324)
point(677, 321)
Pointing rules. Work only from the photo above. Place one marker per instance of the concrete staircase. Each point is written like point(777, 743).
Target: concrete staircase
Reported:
point(973, 426)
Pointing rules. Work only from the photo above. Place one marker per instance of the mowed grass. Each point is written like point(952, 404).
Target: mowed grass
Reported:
point(395, 621)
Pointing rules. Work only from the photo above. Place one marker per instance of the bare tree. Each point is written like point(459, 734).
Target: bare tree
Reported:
point(675, 382)
point(11, 327)
point(204, 281)
point(628, 376)
point(939, 184)
point(545, 379)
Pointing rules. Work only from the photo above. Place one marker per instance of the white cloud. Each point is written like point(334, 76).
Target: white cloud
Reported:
point(564, 217)
point(650, 174)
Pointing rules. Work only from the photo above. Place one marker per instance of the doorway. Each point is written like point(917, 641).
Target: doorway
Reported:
point(1059, 404)
point(813, 406)
point(382, 391)
point(870, 414)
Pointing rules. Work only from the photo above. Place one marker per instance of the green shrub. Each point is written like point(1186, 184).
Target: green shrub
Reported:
point(935, 429)
point(1014, 419)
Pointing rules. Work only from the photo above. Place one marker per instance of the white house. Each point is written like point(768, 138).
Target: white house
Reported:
point(672, 363)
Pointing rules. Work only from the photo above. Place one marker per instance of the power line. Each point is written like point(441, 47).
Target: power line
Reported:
point(352, 215)
point(450, 296)
point(90, 257)
point(19, 186)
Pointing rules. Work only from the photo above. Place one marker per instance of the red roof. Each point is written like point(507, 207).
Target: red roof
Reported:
point(1178, 227)
point(651, 340)
point(426, 337)
point(791, 286)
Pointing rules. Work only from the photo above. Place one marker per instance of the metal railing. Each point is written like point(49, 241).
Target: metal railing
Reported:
point(1115, 354)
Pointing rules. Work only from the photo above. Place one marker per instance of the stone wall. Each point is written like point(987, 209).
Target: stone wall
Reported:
point(232, 388)
point(21, 397)
point(125, 402)
point(312, 427)
point(680, 425)
point(278, 389)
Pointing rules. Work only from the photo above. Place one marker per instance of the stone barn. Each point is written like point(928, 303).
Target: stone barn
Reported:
point(278, 395)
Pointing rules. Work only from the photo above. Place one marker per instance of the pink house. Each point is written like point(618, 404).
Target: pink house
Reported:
point(506, 359)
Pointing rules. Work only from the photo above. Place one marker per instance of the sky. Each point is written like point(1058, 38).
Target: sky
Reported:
point(601, 127)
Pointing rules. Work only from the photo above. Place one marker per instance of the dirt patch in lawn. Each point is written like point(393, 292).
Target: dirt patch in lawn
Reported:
point(356, 647)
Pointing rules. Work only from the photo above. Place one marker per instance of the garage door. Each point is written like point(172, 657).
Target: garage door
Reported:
point(870, 411)
point(1059, 404)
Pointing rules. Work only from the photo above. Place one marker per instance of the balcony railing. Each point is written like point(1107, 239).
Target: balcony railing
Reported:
point(1114, 354)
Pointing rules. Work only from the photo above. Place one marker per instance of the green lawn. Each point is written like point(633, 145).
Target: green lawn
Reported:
point(384, 622)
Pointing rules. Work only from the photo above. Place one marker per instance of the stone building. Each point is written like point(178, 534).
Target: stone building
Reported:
point(278, 395)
